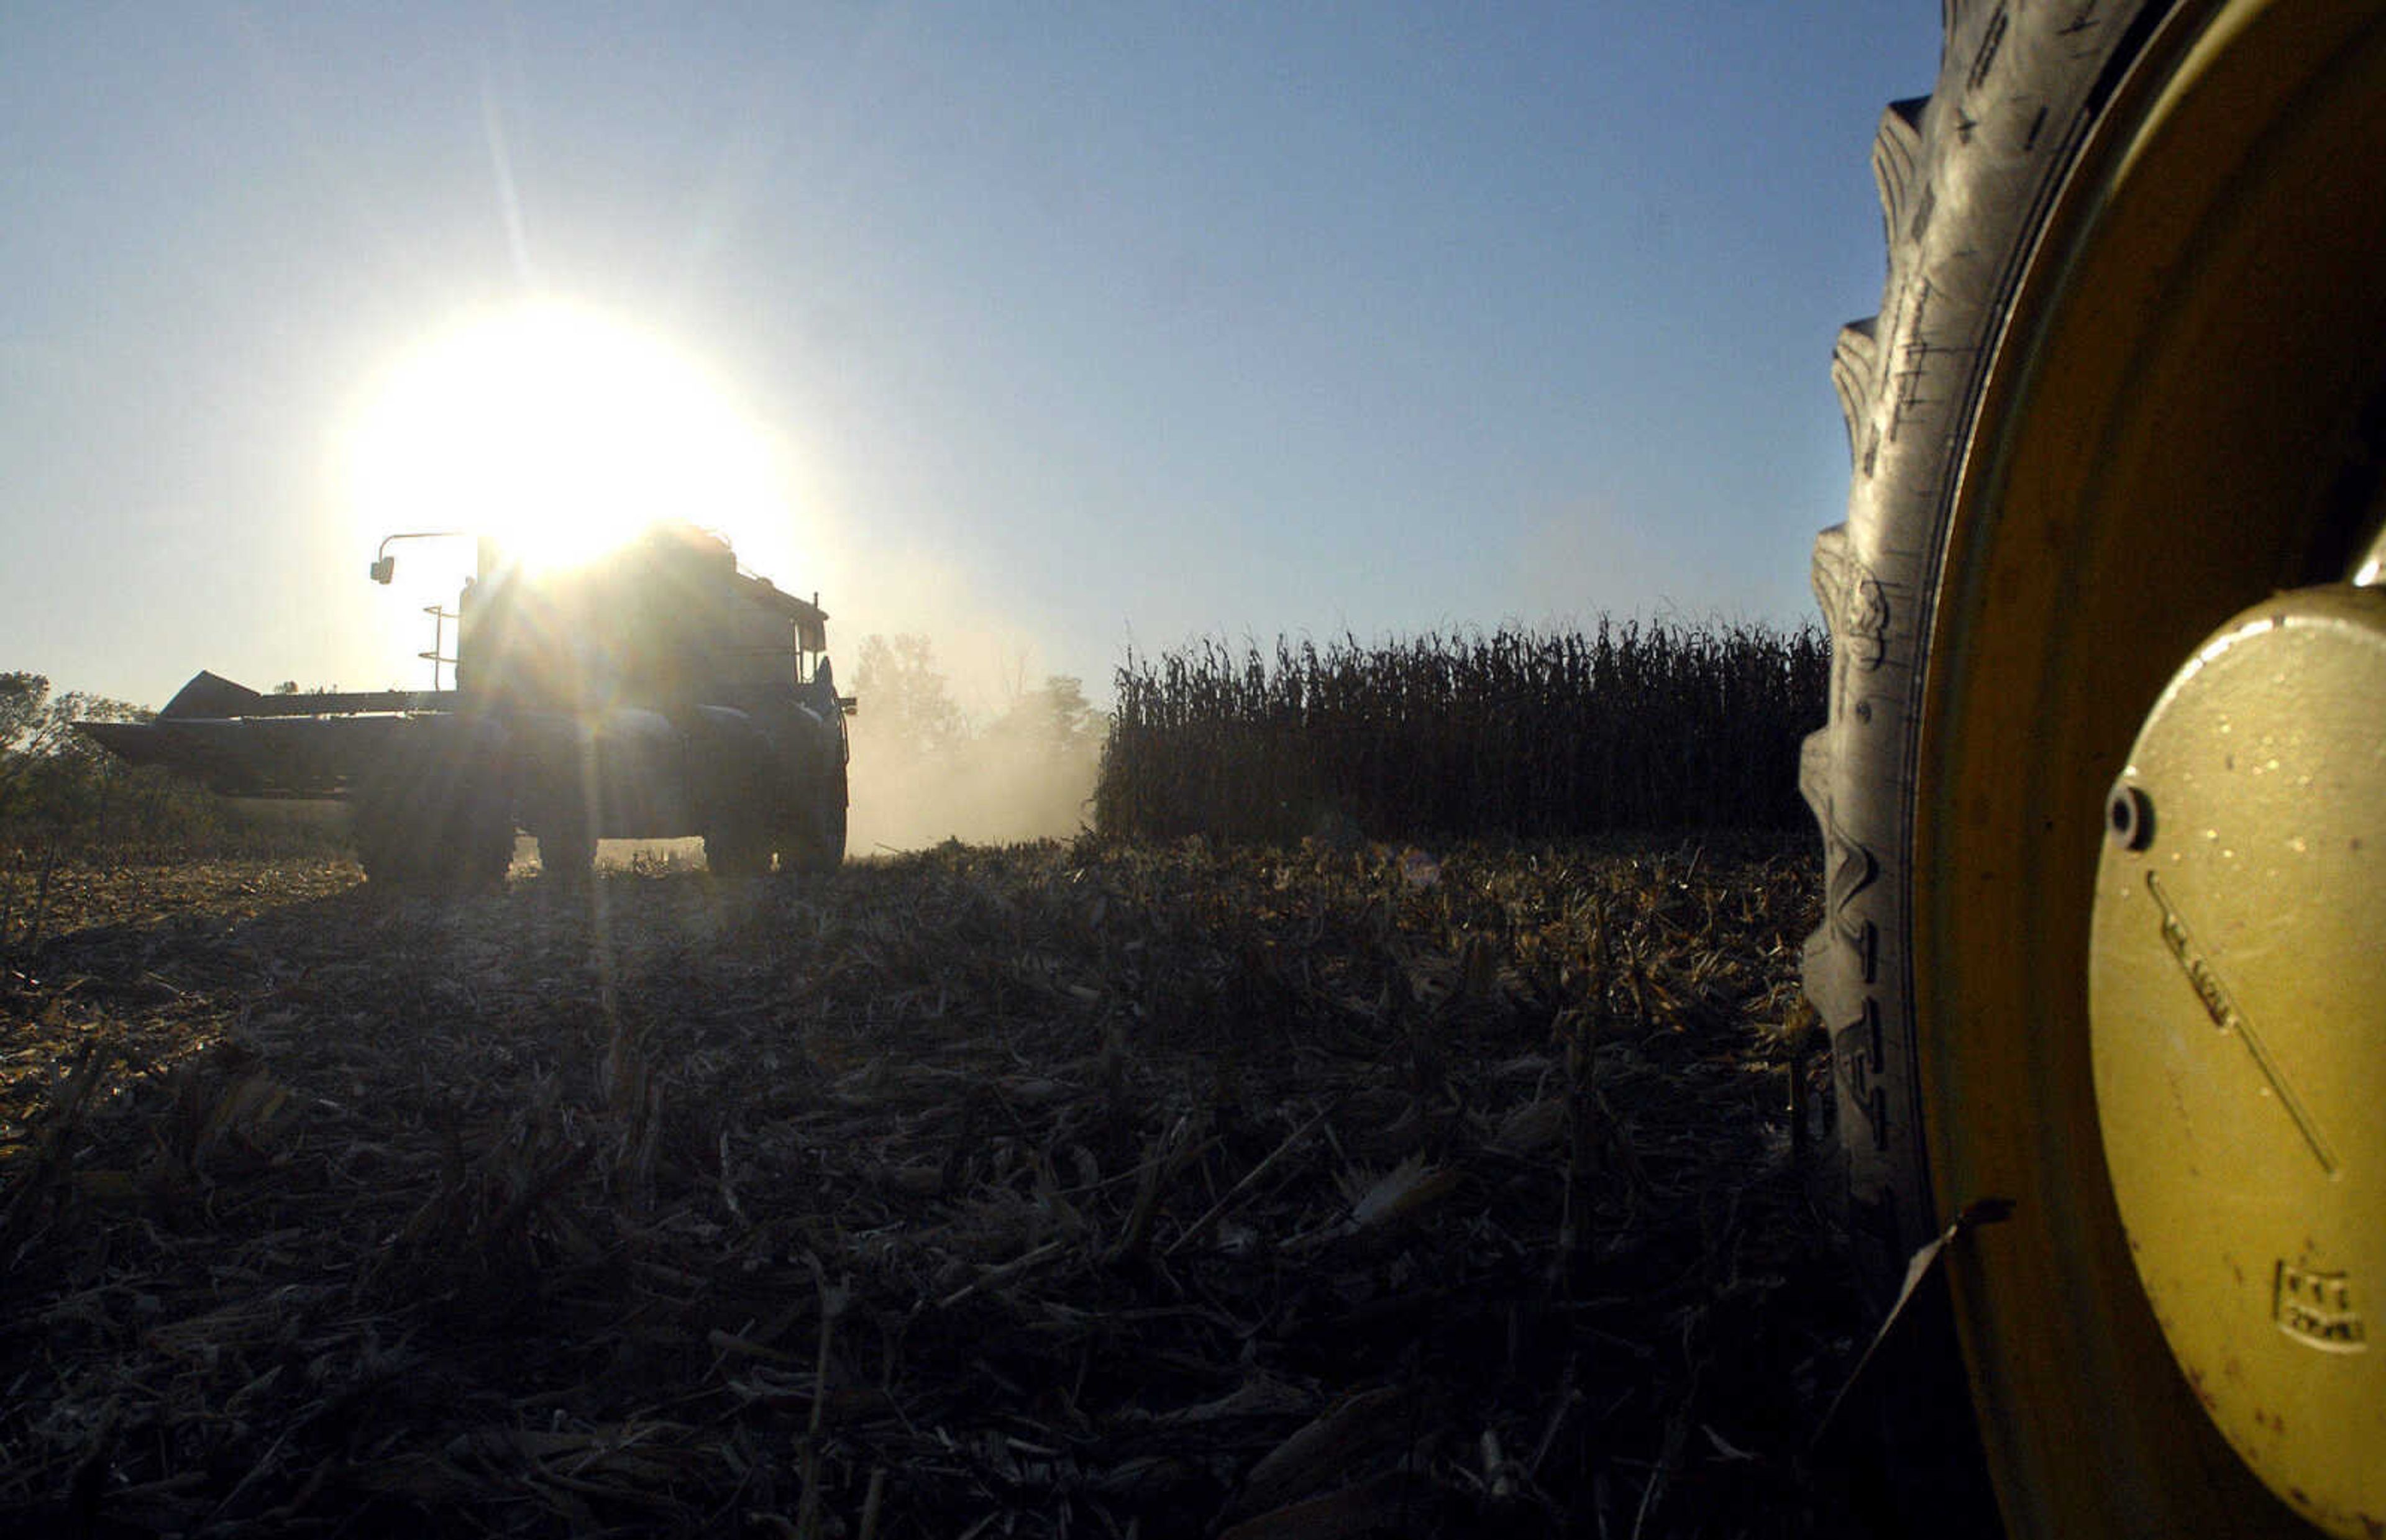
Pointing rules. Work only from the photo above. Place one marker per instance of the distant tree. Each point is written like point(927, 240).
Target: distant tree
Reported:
point(1070, 716)
point(48, 770)
point(1054, 718)
point(907, 706)
point(22, 695)
point(33, 722)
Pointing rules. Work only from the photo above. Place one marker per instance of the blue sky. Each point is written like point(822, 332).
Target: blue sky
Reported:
point(1066, 328)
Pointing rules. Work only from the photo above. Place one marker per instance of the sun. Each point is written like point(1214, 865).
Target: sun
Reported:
point(559, 430)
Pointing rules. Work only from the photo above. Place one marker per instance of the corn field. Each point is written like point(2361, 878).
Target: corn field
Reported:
point(1528, 734)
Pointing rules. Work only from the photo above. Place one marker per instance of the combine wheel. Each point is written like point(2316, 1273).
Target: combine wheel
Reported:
point(482, 849)
point(389, 845)
point(567, 850)
point(736, 850)
point(819, 848)
point(737, 845)
point(432, 814)
point(2117, 435)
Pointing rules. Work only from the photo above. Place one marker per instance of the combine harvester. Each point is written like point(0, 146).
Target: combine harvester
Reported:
point(655, 692)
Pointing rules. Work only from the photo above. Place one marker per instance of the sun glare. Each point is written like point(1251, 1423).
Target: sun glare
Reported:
point(560, 432)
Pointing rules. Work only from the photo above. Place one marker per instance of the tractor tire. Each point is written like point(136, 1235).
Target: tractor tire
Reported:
point(2125, 381)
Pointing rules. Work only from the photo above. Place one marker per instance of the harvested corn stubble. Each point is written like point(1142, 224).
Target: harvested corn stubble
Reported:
point(1087, 1189)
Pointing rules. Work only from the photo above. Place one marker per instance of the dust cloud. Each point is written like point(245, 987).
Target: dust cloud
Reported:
point(927, 769)
point(986, 794)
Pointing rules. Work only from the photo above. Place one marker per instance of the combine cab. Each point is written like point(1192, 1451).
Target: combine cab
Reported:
point(657, 694)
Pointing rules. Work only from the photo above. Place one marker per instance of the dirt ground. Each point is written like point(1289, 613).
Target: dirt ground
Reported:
point(1057, 1190)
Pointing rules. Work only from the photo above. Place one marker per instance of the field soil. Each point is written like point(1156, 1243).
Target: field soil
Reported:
point(1056, 1190)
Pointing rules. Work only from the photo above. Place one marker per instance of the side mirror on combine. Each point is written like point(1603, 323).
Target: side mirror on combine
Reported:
point(383, 567)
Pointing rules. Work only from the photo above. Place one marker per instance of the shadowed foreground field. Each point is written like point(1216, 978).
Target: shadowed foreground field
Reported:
point(1093, 1190)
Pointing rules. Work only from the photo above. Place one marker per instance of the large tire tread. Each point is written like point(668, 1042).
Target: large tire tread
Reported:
point(432, 814)
point(1964, 176)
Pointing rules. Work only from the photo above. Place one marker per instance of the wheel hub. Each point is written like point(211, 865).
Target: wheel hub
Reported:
point(2236, 989)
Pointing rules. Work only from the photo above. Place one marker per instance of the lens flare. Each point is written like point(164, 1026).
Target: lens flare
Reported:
point(559, 431)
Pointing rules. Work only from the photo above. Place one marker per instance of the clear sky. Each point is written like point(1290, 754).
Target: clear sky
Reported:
point(1049, 328)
